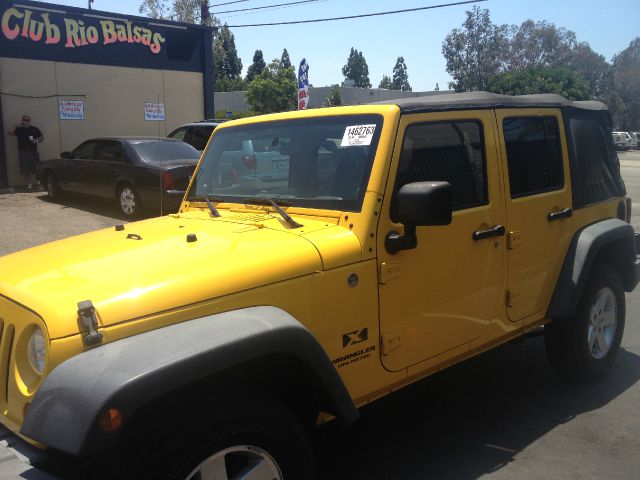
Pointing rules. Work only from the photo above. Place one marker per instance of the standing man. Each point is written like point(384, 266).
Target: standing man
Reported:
point(28, 139)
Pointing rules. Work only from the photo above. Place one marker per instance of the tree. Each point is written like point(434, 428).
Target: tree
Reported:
point(475, 53)
point(334, 99)
point(284, 59)
point(357, 69)
point(539, 44)
point(400, 76)
point(274, 90)
point(256, 67)
point(593, 68)
point(227, 66)
point(386, 82)
point(624, 99)
point(187, 11)
point(562, 81)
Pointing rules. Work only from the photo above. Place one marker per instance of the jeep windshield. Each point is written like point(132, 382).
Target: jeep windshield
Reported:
point(322, 162)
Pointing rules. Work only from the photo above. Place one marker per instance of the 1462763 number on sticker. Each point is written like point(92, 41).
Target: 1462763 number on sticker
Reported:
point(358, 135)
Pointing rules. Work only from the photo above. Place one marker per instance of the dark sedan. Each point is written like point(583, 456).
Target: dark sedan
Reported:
point(131, 170)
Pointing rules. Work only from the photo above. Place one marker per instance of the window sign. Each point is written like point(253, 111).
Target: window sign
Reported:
point(71, 109)
point(154, 111)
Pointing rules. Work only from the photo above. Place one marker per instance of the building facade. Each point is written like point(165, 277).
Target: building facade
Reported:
point(85, 73)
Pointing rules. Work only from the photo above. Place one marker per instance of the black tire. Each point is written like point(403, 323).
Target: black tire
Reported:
point(52, 188)
point(583, 347)
point(129, 201)
point(225, 422)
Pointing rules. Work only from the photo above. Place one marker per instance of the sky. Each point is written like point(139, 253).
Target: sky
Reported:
point(607, 26)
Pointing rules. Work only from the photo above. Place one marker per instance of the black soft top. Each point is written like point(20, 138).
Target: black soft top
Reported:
point(479, 100)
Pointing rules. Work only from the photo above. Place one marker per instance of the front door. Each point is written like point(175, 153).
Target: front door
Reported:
point(448, 293)
point(539, 206)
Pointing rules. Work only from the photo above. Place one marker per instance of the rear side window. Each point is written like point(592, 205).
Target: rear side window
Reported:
point(109, 151)
point(534, 156)
point(178, 133)
point(453, 152)
point(595, 169)
point(198, 137)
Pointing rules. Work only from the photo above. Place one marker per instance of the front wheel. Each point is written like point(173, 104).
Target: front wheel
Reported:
point(585, 346)
point(53, 189)
point(256, 438)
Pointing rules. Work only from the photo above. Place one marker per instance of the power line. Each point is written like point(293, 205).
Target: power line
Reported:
point(377, 14)
point(271, 9)
point(265, 6)
point(228, 3)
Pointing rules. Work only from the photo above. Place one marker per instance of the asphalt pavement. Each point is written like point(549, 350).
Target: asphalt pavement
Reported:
point(502, 415)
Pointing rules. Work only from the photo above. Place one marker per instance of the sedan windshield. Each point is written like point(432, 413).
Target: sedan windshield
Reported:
point(318, 163)
point(162, 151)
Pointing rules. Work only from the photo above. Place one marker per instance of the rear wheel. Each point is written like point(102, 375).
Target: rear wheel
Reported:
point(585, 346)
point(53, 189)
point(129, 201)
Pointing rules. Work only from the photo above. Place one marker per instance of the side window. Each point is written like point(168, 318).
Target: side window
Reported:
point(178, 133)
point(109, 151)
point(85, 151)
point(453, 152)
point(198, 137)
point(534, 156)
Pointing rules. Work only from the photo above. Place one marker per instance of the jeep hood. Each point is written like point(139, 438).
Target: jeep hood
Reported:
point(157, 265)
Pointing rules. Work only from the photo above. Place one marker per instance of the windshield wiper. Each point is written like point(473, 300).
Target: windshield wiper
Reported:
point(208, 198)
point(269, 201)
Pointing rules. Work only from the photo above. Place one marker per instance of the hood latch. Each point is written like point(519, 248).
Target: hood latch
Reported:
point(87, 318)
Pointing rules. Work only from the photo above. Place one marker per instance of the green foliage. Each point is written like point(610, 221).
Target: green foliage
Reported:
point(334, 99)
point(284, 59)
point(386, 82)
point(357, 69)
point(227, 67)
point(274, 90)
point(400, 76)
point(475, 53)
point(256, 67)
point(187, 11)
point(624, 97)
point(222, 115)
point(561, 81)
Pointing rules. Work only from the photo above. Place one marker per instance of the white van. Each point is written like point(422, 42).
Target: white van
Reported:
point(622, 140)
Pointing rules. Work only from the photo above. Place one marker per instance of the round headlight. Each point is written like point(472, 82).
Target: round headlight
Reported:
point(36, 350)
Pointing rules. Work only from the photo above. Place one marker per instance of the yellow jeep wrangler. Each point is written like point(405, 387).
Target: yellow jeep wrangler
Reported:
point(320, 260)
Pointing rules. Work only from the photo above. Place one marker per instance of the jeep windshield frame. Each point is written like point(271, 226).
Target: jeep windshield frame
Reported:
point(320, 162)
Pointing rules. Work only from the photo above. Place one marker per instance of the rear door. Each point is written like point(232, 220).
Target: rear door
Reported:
point(538, 205)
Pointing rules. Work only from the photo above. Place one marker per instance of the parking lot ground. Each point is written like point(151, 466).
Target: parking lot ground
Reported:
point(502, 415)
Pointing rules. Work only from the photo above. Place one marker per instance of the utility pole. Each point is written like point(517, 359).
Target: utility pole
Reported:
point(204, 12)
point(90, 2)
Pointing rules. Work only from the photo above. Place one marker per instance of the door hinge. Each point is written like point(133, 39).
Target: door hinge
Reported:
point(512, 297)
point(513, 239)
point(388, 270)
point(391, 341)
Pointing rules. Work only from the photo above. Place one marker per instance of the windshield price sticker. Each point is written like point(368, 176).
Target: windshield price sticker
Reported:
point(358, 135)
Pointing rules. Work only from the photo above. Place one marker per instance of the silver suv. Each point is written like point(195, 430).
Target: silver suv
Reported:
point(196, 134)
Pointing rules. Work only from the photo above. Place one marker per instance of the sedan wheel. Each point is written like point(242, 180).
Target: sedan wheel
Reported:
point(129, 201)
point(238, 462)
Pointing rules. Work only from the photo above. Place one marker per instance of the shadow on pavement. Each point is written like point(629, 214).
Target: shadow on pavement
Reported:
point(467, 421)
point(96, 206)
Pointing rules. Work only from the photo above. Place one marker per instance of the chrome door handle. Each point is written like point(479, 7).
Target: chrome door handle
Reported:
point(497, 231)
point(564, 213)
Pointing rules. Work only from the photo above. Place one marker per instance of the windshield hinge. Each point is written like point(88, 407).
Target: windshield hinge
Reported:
point(88, 323)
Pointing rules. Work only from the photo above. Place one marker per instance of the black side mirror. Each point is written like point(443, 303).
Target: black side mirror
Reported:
point(419, 204)
point(67, 155)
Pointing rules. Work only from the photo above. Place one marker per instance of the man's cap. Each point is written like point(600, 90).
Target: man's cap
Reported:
point(26, 118)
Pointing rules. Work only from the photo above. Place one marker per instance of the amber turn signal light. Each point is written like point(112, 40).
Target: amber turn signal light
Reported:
point(111, 420)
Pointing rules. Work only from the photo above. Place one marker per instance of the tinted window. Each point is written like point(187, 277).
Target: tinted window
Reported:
point(198, 137)
point(446, 151)
point(85, 150)
point(109, 151)
point(534, 156)
point(156, 152)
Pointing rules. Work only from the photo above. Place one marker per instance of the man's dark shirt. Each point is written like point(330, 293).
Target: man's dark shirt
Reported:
point(23, 134)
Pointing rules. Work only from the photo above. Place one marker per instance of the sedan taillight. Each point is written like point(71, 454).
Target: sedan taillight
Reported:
point(168, 182)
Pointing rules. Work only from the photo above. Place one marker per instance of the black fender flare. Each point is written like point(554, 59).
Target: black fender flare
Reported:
point(127, 373)
point(587, 244)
